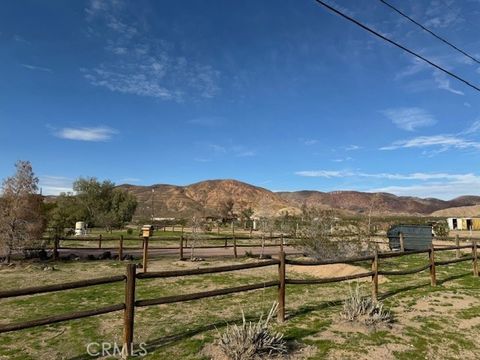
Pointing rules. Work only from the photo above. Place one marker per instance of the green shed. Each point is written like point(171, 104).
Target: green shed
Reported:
point(415, 237)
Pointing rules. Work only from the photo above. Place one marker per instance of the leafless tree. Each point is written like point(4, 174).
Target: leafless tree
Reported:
point(317, 236)
point(196, 224)
point(21, 212)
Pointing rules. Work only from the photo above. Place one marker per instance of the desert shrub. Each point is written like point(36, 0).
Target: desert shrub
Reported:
point(321, 238)
point(252, 341)
point(440, 229)
point(362, 309)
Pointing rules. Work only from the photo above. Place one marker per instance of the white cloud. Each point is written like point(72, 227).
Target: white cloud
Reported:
point(54, 185)
point(444, 142)
point(33, 67)
point(325, 173)
point(468, 177)
point(438, 185)
point(143, 65)
point(444, 83)
point(129, 180)
point(101, 133)
point(446, 191)
point(410, 118)
point(352, 147)
point(310, 142)
point(475, 127)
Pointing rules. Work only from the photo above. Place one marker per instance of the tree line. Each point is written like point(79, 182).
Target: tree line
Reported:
point(25, 216)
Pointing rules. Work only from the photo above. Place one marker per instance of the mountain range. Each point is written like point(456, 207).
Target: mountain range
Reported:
point(207, 197)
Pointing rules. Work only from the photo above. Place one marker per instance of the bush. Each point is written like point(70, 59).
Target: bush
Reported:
point(363, 309)
point(129, 231)
point(252, 341)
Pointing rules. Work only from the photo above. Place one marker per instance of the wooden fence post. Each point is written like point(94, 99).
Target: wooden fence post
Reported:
point(55, 248)
point(375, 276)
point(475, 258)
point(100, 241)
point(457, 243)
point(145, 254)
point(129, 312)
point(181, 247)
point(120, 249)
point(402, 242)
point(433, 275)
point(281, 244)
point(281, 288)
point(235, 247)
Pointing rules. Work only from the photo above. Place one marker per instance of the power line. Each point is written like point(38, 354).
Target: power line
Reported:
point(430, 31)
point(398, 45)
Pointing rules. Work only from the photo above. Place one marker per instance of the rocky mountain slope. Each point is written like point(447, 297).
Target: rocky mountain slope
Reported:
point(184, 201)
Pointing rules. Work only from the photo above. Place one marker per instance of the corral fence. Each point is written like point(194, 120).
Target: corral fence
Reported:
point(132, 277)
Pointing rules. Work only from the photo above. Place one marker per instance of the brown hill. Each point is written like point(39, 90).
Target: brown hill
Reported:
point(184, 201)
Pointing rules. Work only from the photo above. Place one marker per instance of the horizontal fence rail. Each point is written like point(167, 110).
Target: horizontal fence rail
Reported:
point(61, 287)
point(211, 270)
point(61, 318)
point(205, 294)
point(329, 280)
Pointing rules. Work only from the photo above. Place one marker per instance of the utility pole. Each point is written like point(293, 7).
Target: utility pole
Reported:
point(153, 194)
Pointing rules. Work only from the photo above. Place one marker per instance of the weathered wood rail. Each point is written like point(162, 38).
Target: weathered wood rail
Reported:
point(131, 278)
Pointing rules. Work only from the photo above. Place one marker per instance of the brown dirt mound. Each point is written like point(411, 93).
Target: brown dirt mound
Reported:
point(333, 270)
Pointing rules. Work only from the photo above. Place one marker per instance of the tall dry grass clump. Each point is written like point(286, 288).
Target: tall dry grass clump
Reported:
point(362, 309)
point(252, 341)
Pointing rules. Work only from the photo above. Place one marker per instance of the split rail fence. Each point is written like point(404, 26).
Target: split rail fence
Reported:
point(132, 277)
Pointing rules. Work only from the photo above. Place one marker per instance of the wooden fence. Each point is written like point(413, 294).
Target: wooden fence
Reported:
point(228, 242)
point(132, 277)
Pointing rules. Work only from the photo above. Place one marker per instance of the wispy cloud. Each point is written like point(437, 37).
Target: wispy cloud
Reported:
point(34, 67)
point(20, 39)
point(348, 158)
point(420, 176)
point(352, 147)
point(207, 121)
point(54, 185)
point(142, 65)
point(472, 129)
point(444, 142)
point(310, 142)
point(444, 83)
point(129, 180)
point(409, 118)
point(101, 133)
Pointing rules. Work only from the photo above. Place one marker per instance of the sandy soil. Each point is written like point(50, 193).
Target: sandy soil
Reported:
point(333, 270)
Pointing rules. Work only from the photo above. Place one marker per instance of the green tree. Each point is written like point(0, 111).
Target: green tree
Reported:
point(64, 214)
point(102, 204)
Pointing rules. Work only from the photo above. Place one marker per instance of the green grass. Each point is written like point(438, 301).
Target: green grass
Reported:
point(427, 318)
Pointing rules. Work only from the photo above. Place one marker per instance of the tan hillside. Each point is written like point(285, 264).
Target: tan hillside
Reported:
point(468, 211)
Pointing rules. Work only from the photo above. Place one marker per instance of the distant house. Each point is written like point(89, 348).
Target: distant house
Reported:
point(463, 223)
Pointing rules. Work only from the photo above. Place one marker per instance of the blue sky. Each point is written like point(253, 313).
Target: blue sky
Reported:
point(281, 94)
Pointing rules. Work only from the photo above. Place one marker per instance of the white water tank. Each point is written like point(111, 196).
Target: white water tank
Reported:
point(80, 228)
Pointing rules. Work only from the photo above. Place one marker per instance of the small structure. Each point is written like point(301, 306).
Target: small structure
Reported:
point(415, 237)
point(147, 230)
point(80, 228)
point(463, 223)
